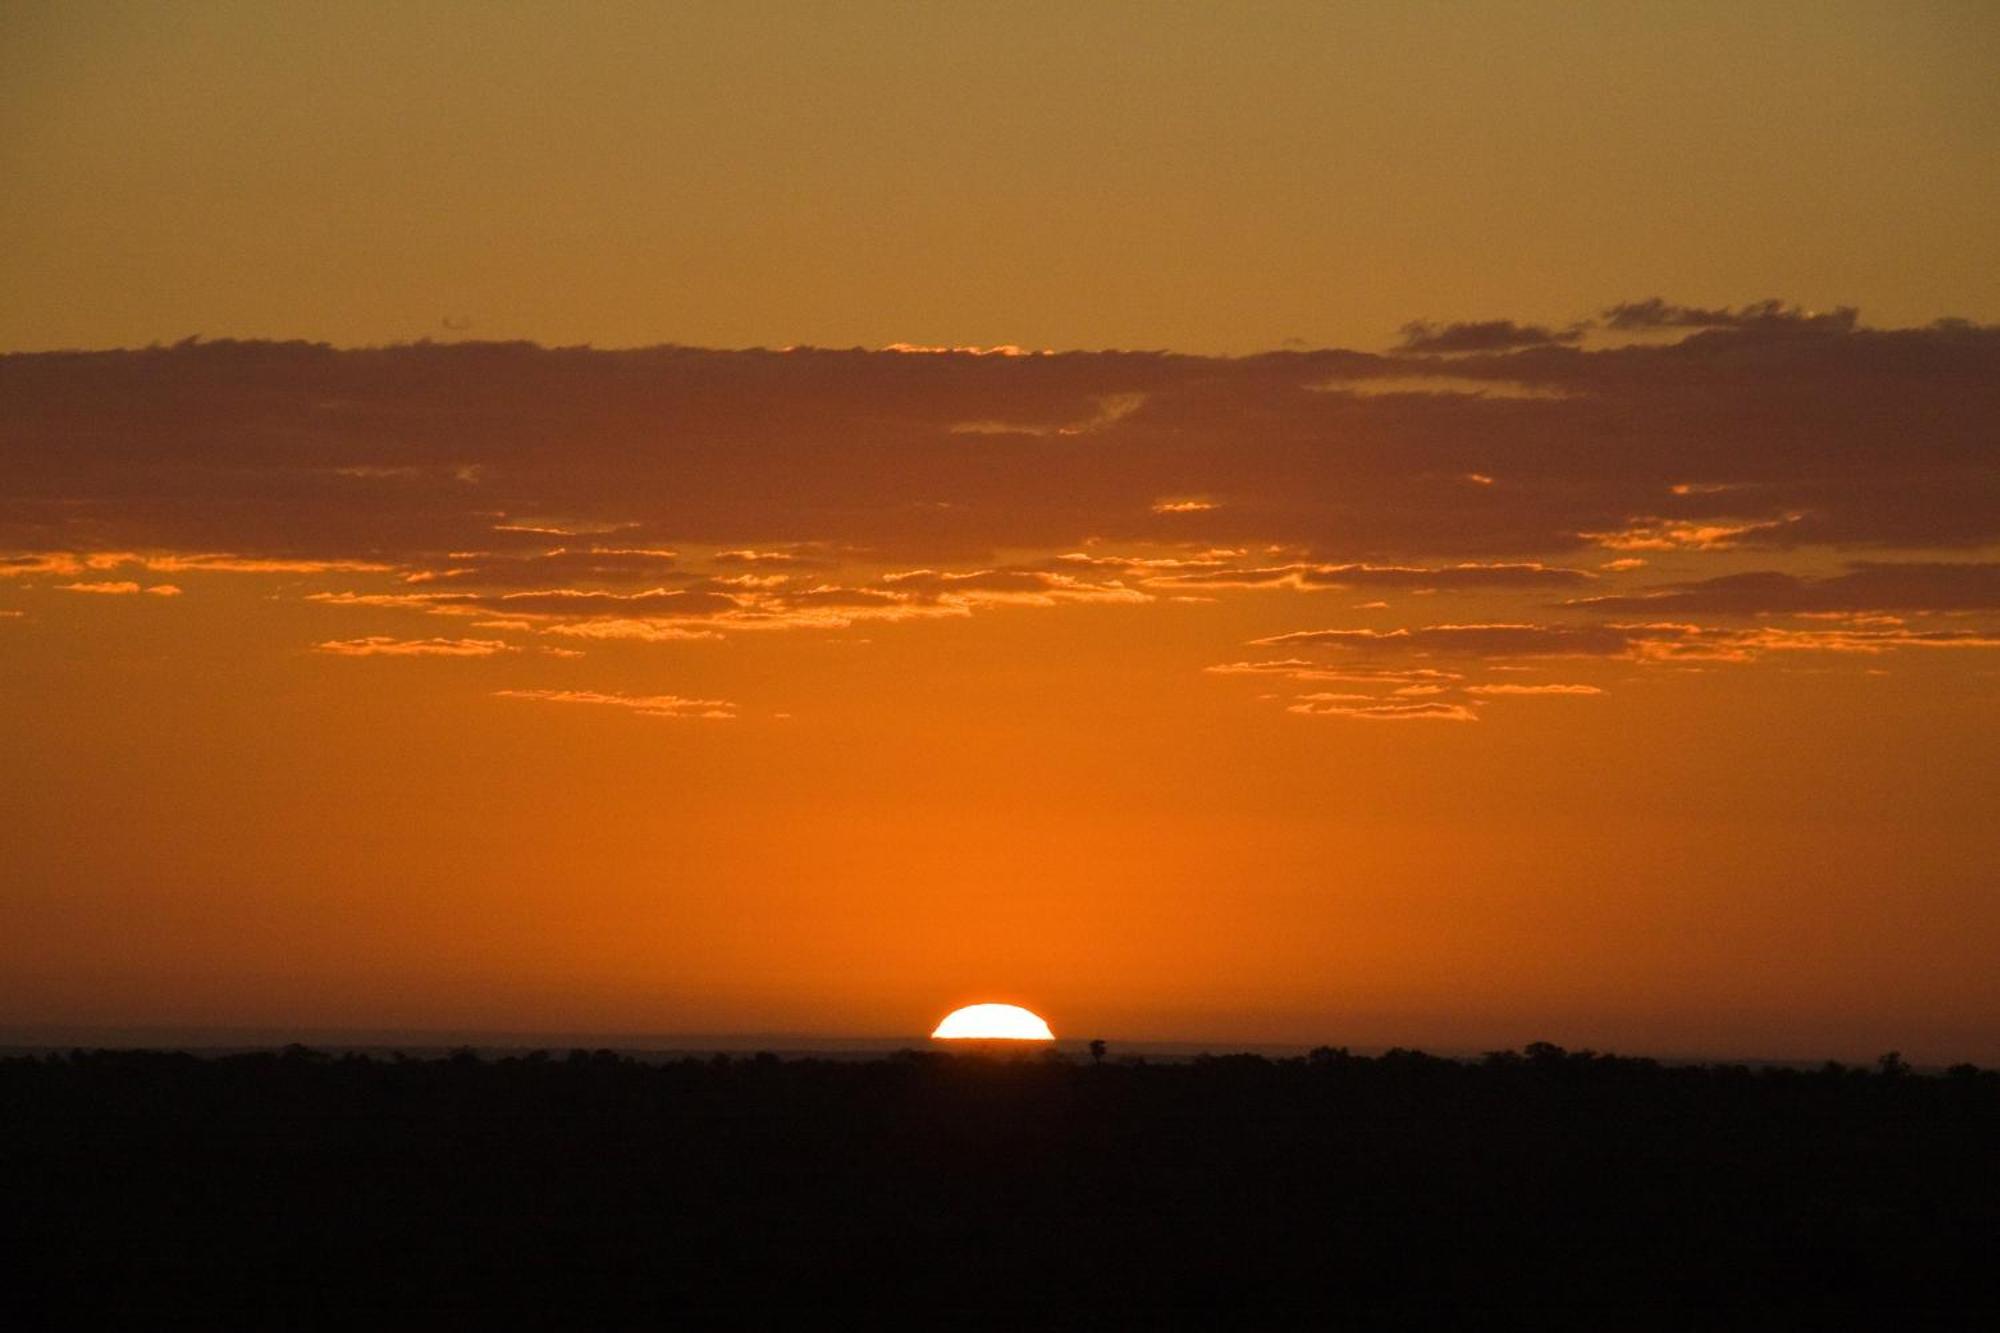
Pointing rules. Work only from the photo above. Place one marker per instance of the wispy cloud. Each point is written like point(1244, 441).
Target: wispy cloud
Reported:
point(1653, 641)
point(123, 588)
point(643, 705)
point(382, 646)
point(1654, 313)
point(1307, 577)
point(1379, 711)
point(1511, 689)
point(1489, 335)
point(561, 565)
point(1502, 640)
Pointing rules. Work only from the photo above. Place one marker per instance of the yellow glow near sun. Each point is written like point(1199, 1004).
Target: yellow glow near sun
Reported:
point(1006, 1022)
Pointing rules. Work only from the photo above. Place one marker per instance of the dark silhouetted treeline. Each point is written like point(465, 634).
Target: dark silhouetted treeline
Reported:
point(299, 1187)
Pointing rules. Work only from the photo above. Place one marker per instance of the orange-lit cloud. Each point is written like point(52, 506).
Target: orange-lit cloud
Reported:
point(1500, 640)
point(1510, 689)
point(75, 562)
point(1341, 705)
point(807, 557)
point(1459, 576)
point(1654, 534)
point(239, 564)
point(381, 646)
point(33, 564)
point(560, 565)
point(1009, 586)
point(1298, 668)
point(1653, 640)
point(644, 705)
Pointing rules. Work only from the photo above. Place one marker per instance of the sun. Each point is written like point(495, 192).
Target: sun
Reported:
point(989, 1022)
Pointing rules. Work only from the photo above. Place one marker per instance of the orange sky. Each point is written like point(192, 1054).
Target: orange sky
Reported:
point(1565, 665)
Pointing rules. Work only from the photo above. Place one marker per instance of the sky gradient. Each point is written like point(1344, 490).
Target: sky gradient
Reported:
point(1203, 178)
point(609, 563)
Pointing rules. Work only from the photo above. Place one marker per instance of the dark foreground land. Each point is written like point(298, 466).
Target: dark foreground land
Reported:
point(304, 1189)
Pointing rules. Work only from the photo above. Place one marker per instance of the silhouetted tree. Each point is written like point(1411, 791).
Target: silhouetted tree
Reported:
point(1097, 1049)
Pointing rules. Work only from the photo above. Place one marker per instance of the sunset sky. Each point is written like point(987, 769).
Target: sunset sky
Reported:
point(1439, 525)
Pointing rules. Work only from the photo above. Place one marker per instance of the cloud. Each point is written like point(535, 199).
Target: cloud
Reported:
point(215, 563)
point(805, 557)
point(1864, 586)
point(644, 705)
point(383, 646)
point(1338, 706)
point(1110, 410)
point(546, 497)
point(1435, 381)
point(1655, 313)
point(1142, 566)
point(998, 349)
point(1455, 577)
point(1295, 668)
point(709, 608)
point(435, 603)
point(1784, 441)
point(1652, 641)
point(1468, 640)
point(1298, 668)
point(1858, 640)
point(638, 630)
point(581, 601)
point(123, 589)
point(29, 564)
point(32, 564)
point(1413, 694)
point(1017, 586)
point(1491, 335)
point(594, 564)
point(1512, 689)
point(1656, 534)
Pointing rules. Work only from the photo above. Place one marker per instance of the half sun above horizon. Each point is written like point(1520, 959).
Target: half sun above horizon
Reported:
point(992, 1022)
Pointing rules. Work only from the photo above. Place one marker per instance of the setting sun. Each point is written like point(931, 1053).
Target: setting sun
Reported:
point(1004, 1022)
